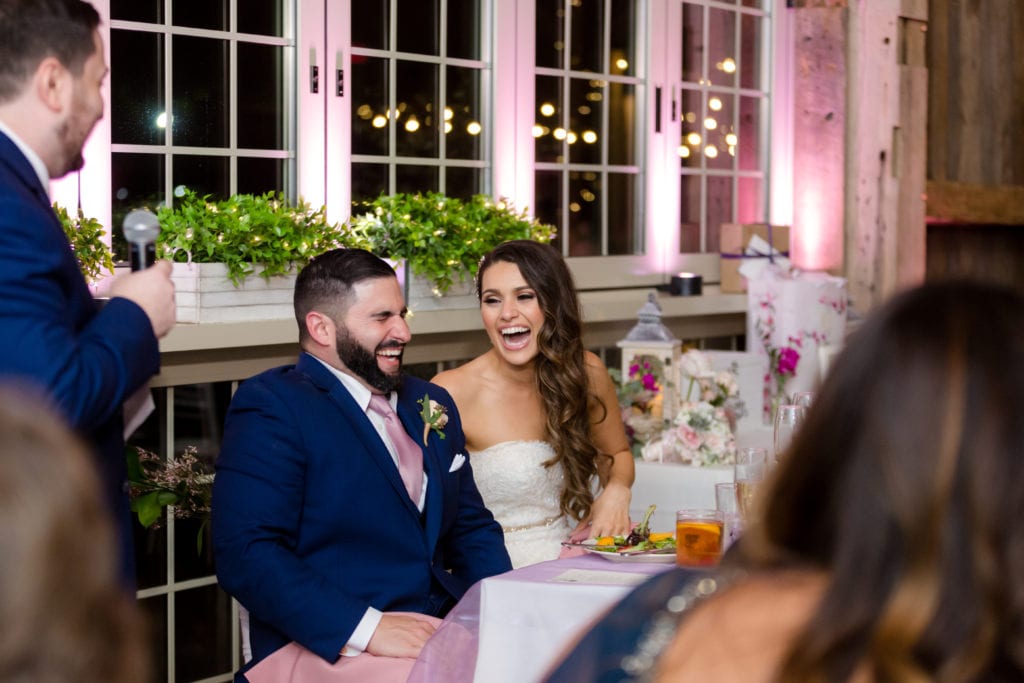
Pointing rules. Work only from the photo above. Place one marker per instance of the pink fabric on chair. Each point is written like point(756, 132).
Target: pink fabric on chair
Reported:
point(295, 664)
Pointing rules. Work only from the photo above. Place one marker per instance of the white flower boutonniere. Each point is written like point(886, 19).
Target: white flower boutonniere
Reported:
point(435, 416)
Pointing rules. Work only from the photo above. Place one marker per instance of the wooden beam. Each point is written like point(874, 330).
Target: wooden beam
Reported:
point(949, 202)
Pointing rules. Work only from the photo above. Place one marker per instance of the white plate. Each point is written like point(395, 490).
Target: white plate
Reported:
point(618, 557)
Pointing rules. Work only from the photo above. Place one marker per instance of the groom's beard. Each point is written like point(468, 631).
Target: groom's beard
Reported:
point(364, 363)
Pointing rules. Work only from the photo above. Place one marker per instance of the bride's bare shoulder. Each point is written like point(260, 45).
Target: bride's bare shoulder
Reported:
point(464, 379)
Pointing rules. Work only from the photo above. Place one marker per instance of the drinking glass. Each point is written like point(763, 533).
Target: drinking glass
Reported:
point(699, 537)
point(788, 419)
point(726, 503)
point(803, 399)
point(750, 467)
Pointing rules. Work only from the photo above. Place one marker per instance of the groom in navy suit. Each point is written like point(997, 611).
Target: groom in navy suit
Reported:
point(315, 531)
point(52, 337)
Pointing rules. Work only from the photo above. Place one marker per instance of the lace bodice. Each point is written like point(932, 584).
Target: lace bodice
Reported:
point(523, 496)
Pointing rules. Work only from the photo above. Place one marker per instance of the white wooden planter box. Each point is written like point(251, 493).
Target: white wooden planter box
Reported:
point(420, 296)
point(204, 294)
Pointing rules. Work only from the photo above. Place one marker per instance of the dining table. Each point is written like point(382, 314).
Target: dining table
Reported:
point(513, 627)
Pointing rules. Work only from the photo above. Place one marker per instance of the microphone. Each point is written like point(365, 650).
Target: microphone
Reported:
point(141, 229)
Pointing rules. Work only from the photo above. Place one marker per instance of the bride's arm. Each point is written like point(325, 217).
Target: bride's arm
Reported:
point(609, 515)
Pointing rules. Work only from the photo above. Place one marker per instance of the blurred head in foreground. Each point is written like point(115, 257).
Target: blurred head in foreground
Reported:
point(66, 618)
point(905, 488)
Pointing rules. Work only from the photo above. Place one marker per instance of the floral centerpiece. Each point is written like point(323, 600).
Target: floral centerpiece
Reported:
point(184, 482)
point(640, 399)
point(701, 433)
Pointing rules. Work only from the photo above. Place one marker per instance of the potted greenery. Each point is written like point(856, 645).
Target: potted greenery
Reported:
point(86, 237)
point(219, 247)
point(440, 238)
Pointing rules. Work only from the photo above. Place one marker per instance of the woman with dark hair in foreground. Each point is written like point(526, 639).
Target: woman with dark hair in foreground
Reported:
point(891, 546)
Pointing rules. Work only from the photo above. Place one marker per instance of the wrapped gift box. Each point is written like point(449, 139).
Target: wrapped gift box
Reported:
point(735, 244)
point(801, 311)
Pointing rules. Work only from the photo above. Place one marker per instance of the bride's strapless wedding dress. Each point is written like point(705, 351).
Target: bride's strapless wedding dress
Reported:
point(523, 496)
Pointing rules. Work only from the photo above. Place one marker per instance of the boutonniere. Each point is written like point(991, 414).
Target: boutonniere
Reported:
point(435, 416)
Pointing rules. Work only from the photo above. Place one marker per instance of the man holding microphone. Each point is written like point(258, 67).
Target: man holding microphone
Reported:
point(53, 337)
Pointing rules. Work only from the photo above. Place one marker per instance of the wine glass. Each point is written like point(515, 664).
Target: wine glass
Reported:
point(788, 419)
point(748, 474)
point(726, 502)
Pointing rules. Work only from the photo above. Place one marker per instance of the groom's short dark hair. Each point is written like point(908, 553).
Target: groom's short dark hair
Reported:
point(325, 284)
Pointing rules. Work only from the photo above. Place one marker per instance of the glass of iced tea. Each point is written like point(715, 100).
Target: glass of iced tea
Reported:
point(699, 537)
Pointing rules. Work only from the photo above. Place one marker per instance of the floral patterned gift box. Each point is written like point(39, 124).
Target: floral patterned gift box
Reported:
point(790, 314)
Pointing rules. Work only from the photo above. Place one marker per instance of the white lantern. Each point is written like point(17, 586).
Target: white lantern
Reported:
point(650, 338)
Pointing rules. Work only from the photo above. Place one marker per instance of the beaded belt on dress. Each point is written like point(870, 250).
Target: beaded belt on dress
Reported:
point(536, 525)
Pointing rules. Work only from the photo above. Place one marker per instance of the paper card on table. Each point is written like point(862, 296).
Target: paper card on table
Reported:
point(600, 577)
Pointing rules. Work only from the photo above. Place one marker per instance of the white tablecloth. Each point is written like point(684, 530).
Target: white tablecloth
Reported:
point(512, 628)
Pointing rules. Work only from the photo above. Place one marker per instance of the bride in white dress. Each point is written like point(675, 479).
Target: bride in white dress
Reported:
point(539, 412)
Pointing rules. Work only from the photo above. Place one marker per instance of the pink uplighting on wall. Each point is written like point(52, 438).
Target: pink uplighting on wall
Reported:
point(817, 235)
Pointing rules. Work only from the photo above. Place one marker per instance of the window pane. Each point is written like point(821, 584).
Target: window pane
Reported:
point(550, 33)
point(155, 609)
point(624, 229)
point(585, 198)
point(548, 145)
point(721, 47)
point(750, 56)
point(748, 140)
point(262, 17)
point(200, 111)
point(212, 14)
point(416, 179)
point(202, 627)
point(717, 126)
point(148, 11)
point(693, 43)
point(586, 101)
point(587, 53)
point(370, 24)
point(464, 29)
point(624, 134)
point(719, 209)
point(691, 144)
point(368, 181)
point(257, 176)
point(136, 180)
point(370, 112)
point(416, 135)
point(204, 175)
point(464, 136)
point(689, 214)
point(750, 201)
point(622, 59)
point(418, 26)
point(463, 182)
point(547, 195)
point(137, 94)
point(261, 80)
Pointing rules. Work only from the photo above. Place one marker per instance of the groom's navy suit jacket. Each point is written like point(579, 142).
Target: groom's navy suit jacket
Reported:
point(53, 339)
point(311, 521)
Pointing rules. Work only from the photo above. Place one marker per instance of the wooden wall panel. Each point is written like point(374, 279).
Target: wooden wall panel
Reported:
point(976, 103)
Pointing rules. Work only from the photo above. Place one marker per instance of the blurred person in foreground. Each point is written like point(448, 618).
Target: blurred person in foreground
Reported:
point(891, 546)
point(65, 617)
point(87, 360)
point(345, 516)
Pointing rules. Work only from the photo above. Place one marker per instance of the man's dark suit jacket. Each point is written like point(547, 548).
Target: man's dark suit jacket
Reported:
point(55, 341)
point(312, 523)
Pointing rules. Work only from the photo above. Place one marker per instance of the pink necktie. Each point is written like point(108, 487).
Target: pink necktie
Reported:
point(410, 456)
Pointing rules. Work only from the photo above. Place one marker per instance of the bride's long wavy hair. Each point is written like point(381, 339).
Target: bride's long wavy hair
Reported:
point(560, 366)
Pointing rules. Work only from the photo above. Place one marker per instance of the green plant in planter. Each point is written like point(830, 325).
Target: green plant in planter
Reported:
point(245, 230)
point(86, 237)
point(441, 237)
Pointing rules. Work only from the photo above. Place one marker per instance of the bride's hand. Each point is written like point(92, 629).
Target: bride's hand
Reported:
point(609, 515)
